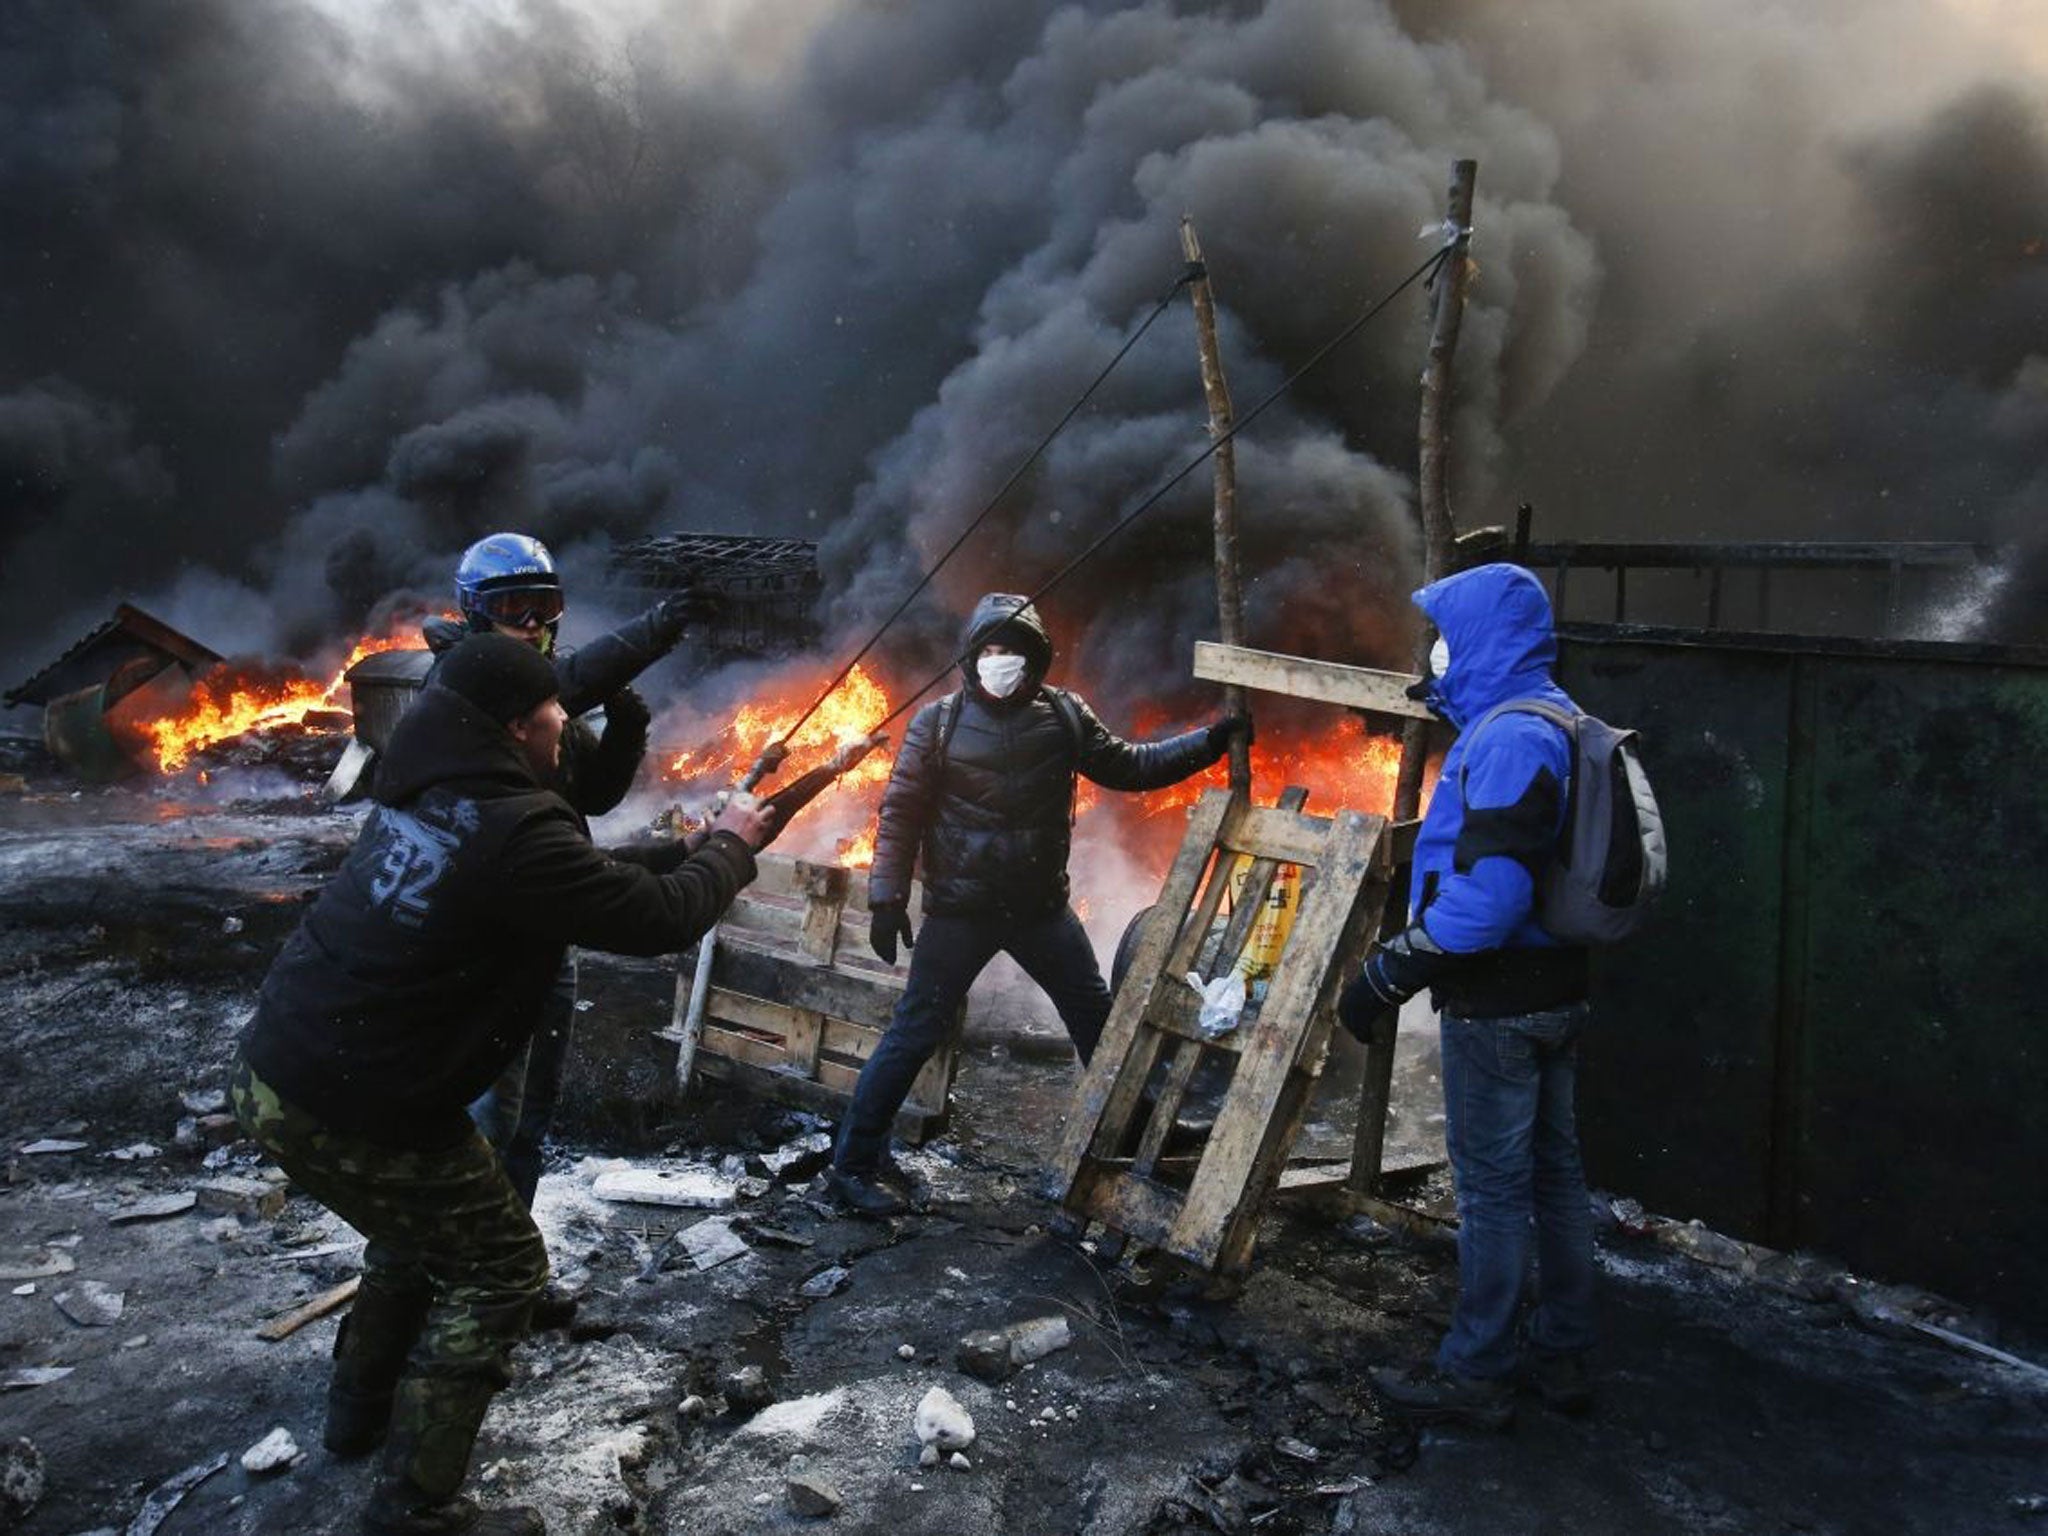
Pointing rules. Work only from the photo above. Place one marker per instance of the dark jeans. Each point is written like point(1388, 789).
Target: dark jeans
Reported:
point(1511, 1128)
point(517, 1110)
point(447, 1235)
point(949, 953)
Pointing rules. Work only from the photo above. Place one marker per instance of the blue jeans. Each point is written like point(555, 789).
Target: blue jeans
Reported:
point(516, 1111)
point(950, 952)
point(1513, 1138)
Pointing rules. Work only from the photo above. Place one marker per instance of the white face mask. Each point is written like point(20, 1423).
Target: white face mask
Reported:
point(1000, 675)
point(1440, 657)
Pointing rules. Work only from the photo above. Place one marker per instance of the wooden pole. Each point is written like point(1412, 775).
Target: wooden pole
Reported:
point(1229, 592)
point(1439, 533)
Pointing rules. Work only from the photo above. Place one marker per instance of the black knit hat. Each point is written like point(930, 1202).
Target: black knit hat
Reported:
point(503, 677)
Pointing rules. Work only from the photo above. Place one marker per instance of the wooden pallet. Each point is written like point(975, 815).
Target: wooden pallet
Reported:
point(1110, 1165)
point(797, 1000)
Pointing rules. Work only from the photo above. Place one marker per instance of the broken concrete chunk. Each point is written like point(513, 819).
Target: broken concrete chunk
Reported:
point(751, 1188)
point(155, 1208)
point(51, 1144)
point(798, 1159)
point(692, 1188)
point(235, 1196)
point(985, 1355)
point(204, 1101)
point(906, 1351)
point(994, 1354)
point(812, 1497)
point(136, 1152)
point(91, 1304)
point(795, 1422)
point(24, 1377)
point(693, 1407)
point(21, 1482)
point(272, 1453)
point(943, 1422)
point(778, 1237)
point(747, 1390)
point(219, 1130)
point(1038, 1337)
point(37, 1264)
point(25, 1290)
point(928, 1457)
point(826, 1281)
point(958, 1462)
point(710, 1243)
point(1297, 1450)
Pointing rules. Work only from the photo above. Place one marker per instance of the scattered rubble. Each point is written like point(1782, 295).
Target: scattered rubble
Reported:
point(993, 1355)
point(158, 1506)
point(943, 1423)
point(711, 1242)
point(273, 1453)
point(22, 1480)
point(91, 1304)
point(23, 1377)
point(692, 1188)
point(38, 1264)
point(825, 1282)
point(813, 1497)
point(156, 1208)
point(51, 1145)
point(797, 1160)
point(747, 1390)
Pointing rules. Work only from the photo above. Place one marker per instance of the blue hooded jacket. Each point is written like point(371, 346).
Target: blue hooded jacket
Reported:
point(1500, 803)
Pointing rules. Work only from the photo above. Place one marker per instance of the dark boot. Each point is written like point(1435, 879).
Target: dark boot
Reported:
point(1427, 1395)
point(555, 1307)
point(864, 1194)
point(452, 1517)
point(370, 1351)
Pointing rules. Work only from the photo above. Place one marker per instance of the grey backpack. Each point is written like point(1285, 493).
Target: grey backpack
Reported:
point(1611, 863)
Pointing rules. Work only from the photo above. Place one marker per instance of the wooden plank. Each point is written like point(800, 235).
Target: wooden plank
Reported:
point(738, 1045)
point(1267, 832)
point(1110, 1088)
point(1398, 846)
point(1187, 1055)
point(1194, 933)
point(825, 887)
point(327, 1301)
point(805, 1037)
point(1332, 682)
point(745, 965)
point(1225, 1185)
point(1134, 1206)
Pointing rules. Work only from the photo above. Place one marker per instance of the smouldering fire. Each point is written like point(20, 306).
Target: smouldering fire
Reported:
point(228, 702)
point(854, 709)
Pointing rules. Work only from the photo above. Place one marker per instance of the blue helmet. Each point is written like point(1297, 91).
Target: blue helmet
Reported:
point(509, 579)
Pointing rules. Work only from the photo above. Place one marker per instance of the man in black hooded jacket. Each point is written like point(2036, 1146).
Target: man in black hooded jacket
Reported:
point(982, 794)
point(421, 970)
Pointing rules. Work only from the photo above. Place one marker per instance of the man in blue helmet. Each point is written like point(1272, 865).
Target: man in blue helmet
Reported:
point(1513, 1003)
point(507, 584)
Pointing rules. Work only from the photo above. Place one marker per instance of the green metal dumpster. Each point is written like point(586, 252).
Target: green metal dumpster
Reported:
point(1832, 1036)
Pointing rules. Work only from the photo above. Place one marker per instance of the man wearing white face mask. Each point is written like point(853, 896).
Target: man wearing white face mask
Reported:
point(981, 796)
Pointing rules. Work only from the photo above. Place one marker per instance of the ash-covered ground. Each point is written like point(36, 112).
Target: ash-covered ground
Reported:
point(1736, 1395)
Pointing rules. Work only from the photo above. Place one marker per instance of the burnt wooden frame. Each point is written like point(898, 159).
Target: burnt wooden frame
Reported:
point(798, 1002)
point(1097, 1172)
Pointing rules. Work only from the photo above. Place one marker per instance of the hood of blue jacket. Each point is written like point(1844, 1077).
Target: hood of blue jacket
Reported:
point(1496, 621)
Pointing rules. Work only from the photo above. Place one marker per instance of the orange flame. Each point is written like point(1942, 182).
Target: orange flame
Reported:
point(228, 702)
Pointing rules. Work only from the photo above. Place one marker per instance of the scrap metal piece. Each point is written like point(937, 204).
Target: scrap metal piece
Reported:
point(158, 1506)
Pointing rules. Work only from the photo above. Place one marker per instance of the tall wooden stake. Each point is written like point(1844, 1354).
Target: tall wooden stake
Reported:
point(1229, 593)
point(1438, 531)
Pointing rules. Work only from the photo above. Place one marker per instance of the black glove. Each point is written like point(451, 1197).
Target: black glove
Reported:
point(888, 921)
point(677, 612)
point(626, 713)
point(1394, 972)
point(1221, 732)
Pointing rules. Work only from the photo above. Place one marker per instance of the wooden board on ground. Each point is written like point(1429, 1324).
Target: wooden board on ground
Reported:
point(797, 1001)
point(1109, 1166)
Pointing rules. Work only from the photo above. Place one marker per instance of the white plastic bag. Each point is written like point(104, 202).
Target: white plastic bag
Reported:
point(1222, 1003)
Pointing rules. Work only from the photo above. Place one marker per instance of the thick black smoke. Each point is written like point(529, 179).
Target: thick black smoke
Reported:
point(296, 300)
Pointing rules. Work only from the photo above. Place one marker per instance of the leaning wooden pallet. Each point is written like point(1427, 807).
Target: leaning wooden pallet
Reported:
point(793, 1002)
point(1111, 1165)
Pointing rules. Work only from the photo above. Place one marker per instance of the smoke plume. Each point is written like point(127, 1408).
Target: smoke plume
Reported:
point(299, 299)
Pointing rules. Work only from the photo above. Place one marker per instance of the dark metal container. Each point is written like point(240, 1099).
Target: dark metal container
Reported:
point(381, 688)
point(1830, 1037)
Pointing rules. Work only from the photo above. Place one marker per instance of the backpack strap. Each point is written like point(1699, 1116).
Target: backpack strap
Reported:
point(949, 721)
point(1564, 719)
point(1070, 716)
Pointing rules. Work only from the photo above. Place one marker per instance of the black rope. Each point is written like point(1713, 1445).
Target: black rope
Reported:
point(1190, 273)
point(1428, 267)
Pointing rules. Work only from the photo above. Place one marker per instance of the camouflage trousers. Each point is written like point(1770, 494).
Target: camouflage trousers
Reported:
point(447, 1237)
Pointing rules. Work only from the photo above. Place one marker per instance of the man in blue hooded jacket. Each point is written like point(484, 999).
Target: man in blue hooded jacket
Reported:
point(1513, 1003)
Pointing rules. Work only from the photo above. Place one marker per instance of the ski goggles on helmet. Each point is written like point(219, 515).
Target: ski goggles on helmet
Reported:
point(518, 607)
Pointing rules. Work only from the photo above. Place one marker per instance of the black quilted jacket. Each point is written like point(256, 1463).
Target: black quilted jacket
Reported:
point(991, 816)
